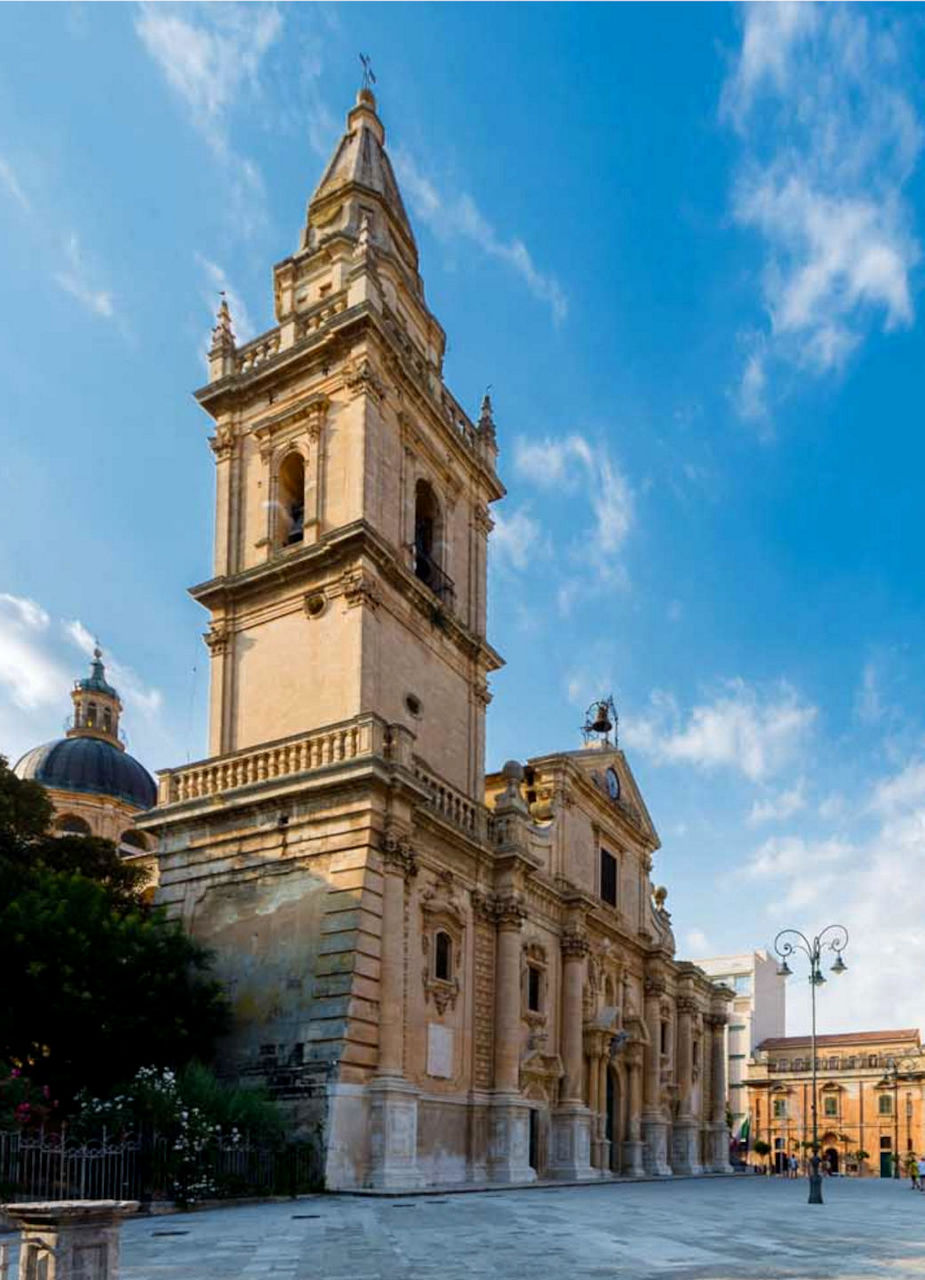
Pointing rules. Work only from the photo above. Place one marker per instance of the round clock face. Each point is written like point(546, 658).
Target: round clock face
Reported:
point(613, 784)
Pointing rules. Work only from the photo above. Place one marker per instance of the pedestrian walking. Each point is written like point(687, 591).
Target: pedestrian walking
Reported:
point(921, 1173)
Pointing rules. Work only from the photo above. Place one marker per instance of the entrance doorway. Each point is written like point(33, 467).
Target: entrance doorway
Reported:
point(886, 1157)
point(831, 1159)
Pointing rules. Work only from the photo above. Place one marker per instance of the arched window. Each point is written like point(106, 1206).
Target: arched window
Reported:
point(427, 535)
point(443, 957)
point(91, 715)
point(291, 499)
point(134, 839)
point(70, 825)
point(107, 720)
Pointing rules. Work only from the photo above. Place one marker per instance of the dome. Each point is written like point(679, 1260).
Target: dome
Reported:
point(89, 765)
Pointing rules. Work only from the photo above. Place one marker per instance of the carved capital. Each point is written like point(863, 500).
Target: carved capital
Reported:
point(218, 638)
point(686, 1005)
point(360, 377)
point(574, 945)
point(360, 588)
point(483, 521)
point(222, 443)
point(510, 912)
point(482, 692)
point(398, 855)
point(654, 988)
point(715, 1020)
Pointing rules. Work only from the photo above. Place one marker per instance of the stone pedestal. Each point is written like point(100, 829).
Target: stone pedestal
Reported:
point(570, 1157)
point(655, 1140)
point(509, 1143)
point(70, 1239)
point(393, 1135)
point(685, 1141)
point(633, 1166)
point(719, 1149)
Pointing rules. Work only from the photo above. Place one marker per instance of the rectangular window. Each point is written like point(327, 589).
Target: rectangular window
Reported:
point(608, 877)
point(743, 984)
point(830, 1106)
point(780, 1108)
point(533, 989)
point(885, 1104)
point(886, 1144)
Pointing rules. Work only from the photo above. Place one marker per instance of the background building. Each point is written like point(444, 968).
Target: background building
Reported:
point(871, 1097)
point(758, 1012)
point(96, 787)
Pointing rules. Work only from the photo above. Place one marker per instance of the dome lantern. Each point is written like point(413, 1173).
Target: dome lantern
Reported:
point(97, 706)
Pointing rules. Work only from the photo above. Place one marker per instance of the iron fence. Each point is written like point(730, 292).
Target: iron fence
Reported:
point(39, 1165)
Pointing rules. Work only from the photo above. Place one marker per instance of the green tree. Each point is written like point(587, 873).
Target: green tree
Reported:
point(96, 981)
point(761, 1148)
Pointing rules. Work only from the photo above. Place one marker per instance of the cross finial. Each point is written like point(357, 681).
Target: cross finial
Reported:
point(369, 78)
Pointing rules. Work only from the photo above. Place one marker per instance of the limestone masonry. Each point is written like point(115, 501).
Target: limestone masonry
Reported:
point(448, 978)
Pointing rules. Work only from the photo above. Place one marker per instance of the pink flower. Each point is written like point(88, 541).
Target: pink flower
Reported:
point(15, 1072)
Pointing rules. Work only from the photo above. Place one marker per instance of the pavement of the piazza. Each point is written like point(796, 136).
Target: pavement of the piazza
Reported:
point(723, 1229)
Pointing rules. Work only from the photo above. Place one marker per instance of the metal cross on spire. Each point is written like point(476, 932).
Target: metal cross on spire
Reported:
point(369, 78)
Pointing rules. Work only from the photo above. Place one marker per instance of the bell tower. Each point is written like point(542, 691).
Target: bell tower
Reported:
point(352, 495)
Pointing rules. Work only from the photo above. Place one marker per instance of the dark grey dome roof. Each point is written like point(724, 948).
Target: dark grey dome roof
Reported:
point(90, 765)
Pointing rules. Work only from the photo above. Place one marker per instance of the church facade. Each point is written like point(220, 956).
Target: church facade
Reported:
point(448, 978)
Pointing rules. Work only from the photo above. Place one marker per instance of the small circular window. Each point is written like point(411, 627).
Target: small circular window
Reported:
point(413, 705)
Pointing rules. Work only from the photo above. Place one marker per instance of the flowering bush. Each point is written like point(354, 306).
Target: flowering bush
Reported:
point(23, 1103)
point(186, 1120)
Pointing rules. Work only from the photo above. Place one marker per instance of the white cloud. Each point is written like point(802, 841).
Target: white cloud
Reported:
point(9, 180)
point(780, 807)
point(516, 538)
point(458, 217)
point(903, 791)
point(754, 732)
point(793, 856)
point(29, 677)
point(210, 55)
point(819, 99)
point(698, 943)
point(75, 280)
point(574, 466)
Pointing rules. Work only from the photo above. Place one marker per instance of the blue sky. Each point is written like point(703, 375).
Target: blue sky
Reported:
point(682, 244)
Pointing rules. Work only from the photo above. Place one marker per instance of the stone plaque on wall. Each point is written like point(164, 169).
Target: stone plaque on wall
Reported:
point(439, 1050)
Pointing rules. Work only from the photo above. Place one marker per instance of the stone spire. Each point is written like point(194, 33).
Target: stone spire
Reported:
point(359, 183)
point(487, 419)
point(222, 350)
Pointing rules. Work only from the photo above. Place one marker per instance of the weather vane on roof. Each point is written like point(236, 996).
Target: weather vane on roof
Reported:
point(369, 78)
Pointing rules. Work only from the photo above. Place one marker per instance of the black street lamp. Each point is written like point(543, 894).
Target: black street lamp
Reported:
point(834, 937)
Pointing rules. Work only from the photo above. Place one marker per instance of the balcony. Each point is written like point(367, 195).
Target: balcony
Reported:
point(430, 573)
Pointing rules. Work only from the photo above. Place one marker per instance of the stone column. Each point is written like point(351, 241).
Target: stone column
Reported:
point(393, 1101)
point(685, 1158)
point(719, 1135)
point(70, 1239)
point(571, 1156)
point(603, 1066)
point(633, 1166)
point(509, 1146)
point(654, 1121)
point(594, 1103)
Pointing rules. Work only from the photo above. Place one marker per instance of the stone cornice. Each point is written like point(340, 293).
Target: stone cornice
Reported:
point(341, 545)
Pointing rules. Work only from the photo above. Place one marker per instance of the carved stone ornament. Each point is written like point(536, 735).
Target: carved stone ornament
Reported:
point(442, 912)
point(360, 377)
point(654, 987)
point(397, 853)
point(222, 442)
point(218, 638)
point(360, 588)
point(686, 1005)
point(715, 1019)
point(574, 945)
point(510, 913)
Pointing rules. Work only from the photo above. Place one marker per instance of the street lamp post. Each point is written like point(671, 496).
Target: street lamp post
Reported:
point(834, 937)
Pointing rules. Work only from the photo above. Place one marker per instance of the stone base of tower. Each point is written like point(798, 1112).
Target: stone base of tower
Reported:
point(393, 1136)
point(570, 1157)
point(509, 1142)
point(655, 1146)
point(685, 1144)
point(718, 1149)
